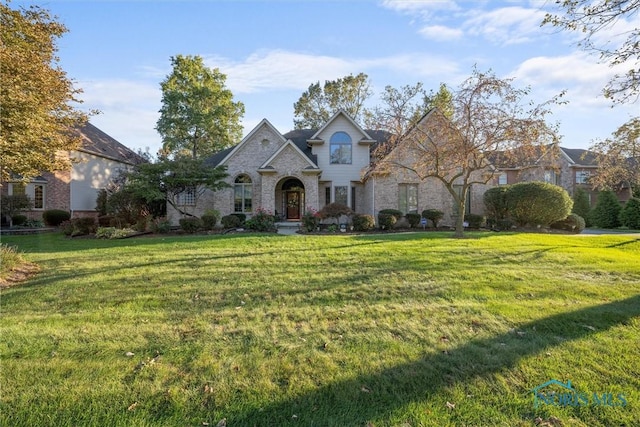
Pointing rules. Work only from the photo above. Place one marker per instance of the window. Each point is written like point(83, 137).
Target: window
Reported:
point(582, 177)
point(242, 194)
point(551, 177)
point(502, 179)
point(327, 195)
point(340, 149)
point(408, 198)
point(341, 194)
point(38, 196)
point(187, 197)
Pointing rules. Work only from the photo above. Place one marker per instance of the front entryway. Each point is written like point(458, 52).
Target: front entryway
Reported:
point(290, 197)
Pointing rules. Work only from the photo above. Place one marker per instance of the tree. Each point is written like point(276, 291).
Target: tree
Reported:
point(198, 115)
point(593, 19)
point(606, 213)
point(318, 103)
point(618, 158)
point(581, 205)
point(490, 117)
point(181, 181)
point(630, 214)
point(36, 95)
point(402, 109)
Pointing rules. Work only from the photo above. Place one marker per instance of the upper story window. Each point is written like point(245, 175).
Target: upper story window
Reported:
point(242, 194)
point(340, 149)
point(502, 178)
point(582, 177)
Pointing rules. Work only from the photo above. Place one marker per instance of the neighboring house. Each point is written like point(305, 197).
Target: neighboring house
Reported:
point(308, 169)
point(94, 165)
point(569, 168)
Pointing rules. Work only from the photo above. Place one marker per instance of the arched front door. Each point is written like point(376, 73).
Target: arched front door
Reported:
point(292, 198)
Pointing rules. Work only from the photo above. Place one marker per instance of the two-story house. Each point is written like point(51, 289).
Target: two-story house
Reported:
point(286, 174)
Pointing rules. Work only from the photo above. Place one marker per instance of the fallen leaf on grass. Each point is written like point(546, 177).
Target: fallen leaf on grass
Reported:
point(132, 406)
point(129, 354)
point(451, 405)
point(591, 328)
point(222, 423)
point(365, 390)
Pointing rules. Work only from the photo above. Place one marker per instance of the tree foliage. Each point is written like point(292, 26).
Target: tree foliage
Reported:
point(198, 115)
point(606, 213)
point(594, 21)
point(490, 117)
point(581, 205)
point(175, 179)
point(618, 158)
point(318, 103)
point(36, 95)
point(630, 214)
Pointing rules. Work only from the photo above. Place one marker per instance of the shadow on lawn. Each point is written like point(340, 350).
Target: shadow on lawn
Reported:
point(345, 404)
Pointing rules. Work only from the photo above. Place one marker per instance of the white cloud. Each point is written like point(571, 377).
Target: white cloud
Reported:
point(420, 7)
point(577, 73)
point(285, 70)
point(508, 25)
point(441, 33)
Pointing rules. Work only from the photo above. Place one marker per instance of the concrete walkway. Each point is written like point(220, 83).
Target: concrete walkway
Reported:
point(288, 228)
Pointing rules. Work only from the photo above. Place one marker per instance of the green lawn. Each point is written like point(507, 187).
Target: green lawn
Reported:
point(374, 330)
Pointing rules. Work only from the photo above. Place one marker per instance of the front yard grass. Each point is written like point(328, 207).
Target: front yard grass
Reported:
point(375, 330)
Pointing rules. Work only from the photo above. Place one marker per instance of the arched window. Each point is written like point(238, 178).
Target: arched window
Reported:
point(242, 194)
point(340, 149)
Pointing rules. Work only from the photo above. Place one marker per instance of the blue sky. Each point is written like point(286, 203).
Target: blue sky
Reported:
point(118, 52)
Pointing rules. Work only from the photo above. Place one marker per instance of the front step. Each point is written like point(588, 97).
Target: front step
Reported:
point(288, 227)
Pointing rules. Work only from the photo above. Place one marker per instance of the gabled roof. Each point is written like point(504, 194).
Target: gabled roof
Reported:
point(218, 158)
point(343, 113)
point(579, 156)
point(289, 143)
point(96, 142)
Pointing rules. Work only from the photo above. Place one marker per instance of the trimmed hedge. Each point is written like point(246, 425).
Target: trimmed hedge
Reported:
point(495, 203)
point(395, 212)
point(474, 220)
point(433, 215)
point(537, 203)
point(386, 221)
point(190, 224)
point(55, 217)
point(363, 222)
point(230, 221)
point(413, 219)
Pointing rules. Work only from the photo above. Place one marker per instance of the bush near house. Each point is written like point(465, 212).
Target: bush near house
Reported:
point(475, 220)
point(386, 221)
point(363, 222)
point(210, 219)
point(55, 217)
point(395, 212)
point(433, 215)
point(79, 226)
point(630, 214)
point(537, 203)
point(310, 219)
point(606, 213)
point(190, 224)
point(262, 220)
point(413, 219)
point(230, 221)
point(335, 210)
point(573, 223)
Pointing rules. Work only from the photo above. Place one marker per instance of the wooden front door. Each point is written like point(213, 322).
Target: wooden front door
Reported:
point(293, 204)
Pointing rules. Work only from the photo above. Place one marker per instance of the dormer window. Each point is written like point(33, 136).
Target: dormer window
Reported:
point(340, 149)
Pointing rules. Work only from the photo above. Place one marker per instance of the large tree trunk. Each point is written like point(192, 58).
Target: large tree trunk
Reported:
point(460, 219)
